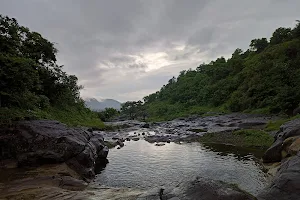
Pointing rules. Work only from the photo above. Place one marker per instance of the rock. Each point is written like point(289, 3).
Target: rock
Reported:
point(38, 142)
point(251, 125)
point(296, 111)
point(157, 138)
point(198, 189)
point(286, 183)
point(273, 154)
point(210, 190)
point(135, 139)
point(127, 139)
point(294, 148)
point(143, 133)
point(159, 144)
point(120, 142)
point(146, 125)
point(115, 138)
point(287, 130)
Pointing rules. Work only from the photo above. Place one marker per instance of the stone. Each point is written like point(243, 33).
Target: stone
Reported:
point(120, 143)
point(135, 139)
point(296, 111)
point(286, 183)
point(38, 142)
point(146, 125)
point(287, 130)
point(294, 148)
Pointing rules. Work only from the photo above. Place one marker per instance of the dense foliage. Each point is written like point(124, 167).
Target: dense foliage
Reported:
point(31, 82)
point(265, 78)
point(133, 110)
point(107, 114)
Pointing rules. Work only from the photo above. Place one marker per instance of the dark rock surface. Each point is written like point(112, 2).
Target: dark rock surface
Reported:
point(287, 130)
point(186, 129)
point(198, 189)
point(286, 183)
point(37, 142)
point(146, 125)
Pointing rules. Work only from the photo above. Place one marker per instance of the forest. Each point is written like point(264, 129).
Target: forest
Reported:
point(263, 79)
point(32, 84)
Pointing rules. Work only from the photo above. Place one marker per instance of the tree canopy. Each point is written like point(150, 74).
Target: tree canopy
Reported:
point(30, 78)
point(265, 77)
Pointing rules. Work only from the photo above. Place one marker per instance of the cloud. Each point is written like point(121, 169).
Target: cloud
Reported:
point(128, 49)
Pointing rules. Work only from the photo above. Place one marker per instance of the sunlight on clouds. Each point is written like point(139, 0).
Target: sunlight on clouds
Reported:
point(152, 60)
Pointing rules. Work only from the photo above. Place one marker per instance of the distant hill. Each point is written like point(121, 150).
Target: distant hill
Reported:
point(94, 104)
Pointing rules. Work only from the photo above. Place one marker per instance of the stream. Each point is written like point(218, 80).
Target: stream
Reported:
point(140, 164)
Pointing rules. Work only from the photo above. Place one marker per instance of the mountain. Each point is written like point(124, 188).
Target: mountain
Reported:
point(94, 104)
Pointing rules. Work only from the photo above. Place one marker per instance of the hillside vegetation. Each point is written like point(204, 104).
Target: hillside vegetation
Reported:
point(32, 84)
point(263, 79)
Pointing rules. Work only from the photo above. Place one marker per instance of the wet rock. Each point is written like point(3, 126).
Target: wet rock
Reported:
point(37, 142)
point(120, 143)
point(198, 189)
point(157, 138)
point(160, 144)
point(209, 190)
point(146, 125)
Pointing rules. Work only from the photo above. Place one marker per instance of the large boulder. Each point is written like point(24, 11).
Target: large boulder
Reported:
point(287, 130)
point(37, 142)
point(286, 183)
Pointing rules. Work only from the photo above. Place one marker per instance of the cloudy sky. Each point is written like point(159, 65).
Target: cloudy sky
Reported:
point(126, 49)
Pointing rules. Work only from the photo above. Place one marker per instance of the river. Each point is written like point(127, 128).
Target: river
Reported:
point(140, 164)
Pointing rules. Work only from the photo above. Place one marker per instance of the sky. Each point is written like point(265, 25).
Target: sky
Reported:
point(127, 49)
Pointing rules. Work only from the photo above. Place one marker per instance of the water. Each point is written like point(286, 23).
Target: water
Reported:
point(144, 165)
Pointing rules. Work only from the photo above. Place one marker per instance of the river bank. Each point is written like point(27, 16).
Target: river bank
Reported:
point(46, 174)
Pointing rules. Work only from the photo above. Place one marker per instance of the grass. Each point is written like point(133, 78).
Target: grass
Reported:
point(243, 138)
point(69, 116)
point(110, 145)
point(275, 124)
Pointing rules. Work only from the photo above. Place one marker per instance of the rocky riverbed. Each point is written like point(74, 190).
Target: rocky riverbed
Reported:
point(48, 160)
point(185, 129)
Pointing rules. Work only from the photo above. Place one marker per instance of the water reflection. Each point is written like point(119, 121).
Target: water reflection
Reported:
point(239, 152)
point(144, 165)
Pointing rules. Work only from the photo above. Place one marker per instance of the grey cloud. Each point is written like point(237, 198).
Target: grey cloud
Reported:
point(124, 49)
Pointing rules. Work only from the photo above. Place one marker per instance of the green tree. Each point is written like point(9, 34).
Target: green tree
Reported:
point(259, 45)
point(280, 35)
